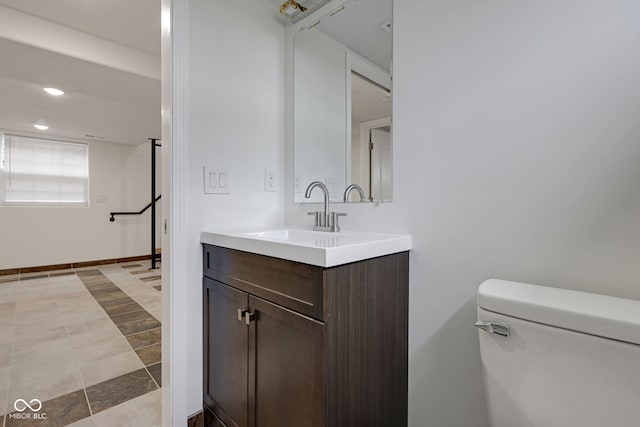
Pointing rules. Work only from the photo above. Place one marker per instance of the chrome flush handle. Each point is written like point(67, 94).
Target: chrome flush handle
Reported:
point(494, 327)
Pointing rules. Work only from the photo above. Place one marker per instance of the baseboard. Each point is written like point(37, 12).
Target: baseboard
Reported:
point(79, 264)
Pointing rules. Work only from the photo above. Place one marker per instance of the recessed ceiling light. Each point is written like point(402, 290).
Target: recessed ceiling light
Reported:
point(53, 91)
point(41, 127)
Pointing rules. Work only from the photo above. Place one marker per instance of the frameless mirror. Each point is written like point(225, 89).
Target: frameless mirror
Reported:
point(342, 102)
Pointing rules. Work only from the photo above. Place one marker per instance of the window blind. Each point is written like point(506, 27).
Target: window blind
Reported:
point(43, 172)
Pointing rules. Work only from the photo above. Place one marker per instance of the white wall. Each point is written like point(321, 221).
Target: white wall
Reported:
point(234, 119)
point(34, 236)
point(515, 156)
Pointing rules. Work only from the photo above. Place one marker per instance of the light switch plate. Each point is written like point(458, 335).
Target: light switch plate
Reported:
point(216, 181)
point(332, 186)
point(297, 184)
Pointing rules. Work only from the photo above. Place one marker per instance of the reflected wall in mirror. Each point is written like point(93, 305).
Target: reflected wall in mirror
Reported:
point(342, 102)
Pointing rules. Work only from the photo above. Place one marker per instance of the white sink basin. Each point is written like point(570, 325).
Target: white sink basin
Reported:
point(292, 235)
point(320, 248)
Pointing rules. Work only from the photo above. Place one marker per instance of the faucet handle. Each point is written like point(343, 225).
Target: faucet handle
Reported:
point(333, 218)
point(317, 217)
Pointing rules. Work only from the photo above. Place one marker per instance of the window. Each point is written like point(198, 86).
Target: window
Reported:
point(43, 172)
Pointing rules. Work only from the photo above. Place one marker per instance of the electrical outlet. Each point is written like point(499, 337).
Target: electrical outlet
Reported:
point(270, 180)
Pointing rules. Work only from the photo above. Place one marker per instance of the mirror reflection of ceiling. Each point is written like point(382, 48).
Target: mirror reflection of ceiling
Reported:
point(369, 101)
point(359, 27)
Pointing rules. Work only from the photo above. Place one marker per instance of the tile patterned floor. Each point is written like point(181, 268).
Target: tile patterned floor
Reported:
point(85, 343)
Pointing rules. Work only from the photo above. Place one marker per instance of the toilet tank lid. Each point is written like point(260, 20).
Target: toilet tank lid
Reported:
point(601, 315)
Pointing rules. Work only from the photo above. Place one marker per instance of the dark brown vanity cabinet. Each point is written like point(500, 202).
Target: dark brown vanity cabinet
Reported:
point(292, 345)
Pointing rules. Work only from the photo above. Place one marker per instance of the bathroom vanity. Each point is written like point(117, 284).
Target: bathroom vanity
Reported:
point(305, 328)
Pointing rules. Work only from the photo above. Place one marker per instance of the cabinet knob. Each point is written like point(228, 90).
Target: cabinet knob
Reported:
point(249, 317)
point(241, 313)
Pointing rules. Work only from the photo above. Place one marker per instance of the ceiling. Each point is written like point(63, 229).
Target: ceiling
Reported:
point(358, 28)
point(105, 56)
point(133, 23)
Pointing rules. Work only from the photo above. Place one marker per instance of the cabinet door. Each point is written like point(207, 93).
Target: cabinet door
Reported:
point(225, 352)
point(286, 387)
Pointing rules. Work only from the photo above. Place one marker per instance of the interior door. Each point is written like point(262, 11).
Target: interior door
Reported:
point(226, 352)
point(381, 164)
point(285, 367)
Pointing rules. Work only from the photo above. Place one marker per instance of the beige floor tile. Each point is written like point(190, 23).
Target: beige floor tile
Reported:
point(155, 310)
point(44, 379)
point(140, 290)
point(94, 372)
point(54, 352)
point(55, 338)
point(68, 298)
point(42, 352)
point(92, 332)
point(7, 307)
point(70, 290)
point(118, 278)
point(85, 314)
point(86, 422)
point(100, 350)
point(117, 275)
point(114, 271)
point(7, 332)
point(8, 287)
point(35, 303)
point(4, 388)
point(143, 411)
point(41, 313)
point(5, 354)
point(149, 296)
point(83, 317)
point(33, 285)
point(95, 326)
point(7, 319)
point(128, 282)
point(40, 340)
point(37, 323)
point(38, 316)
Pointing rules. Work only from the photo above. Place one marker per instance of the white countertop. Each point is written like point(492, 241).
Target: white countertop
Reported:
point(319, 248)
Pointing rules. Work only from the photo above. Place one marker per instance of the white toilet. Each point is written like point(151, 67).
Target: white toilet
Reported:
point(558, 358)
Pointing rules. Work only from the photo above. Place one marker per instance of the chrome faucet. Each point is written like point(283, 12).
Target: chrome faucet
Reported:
point(325, 220)
point(350, 188)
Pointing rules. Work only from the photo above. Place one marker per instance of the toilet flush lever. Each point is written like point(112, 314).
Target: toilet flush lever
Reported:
point(494, 327)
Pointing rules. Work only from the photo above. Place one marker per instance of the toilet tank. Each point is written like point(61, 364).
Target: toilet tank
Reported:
point(571, 359)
